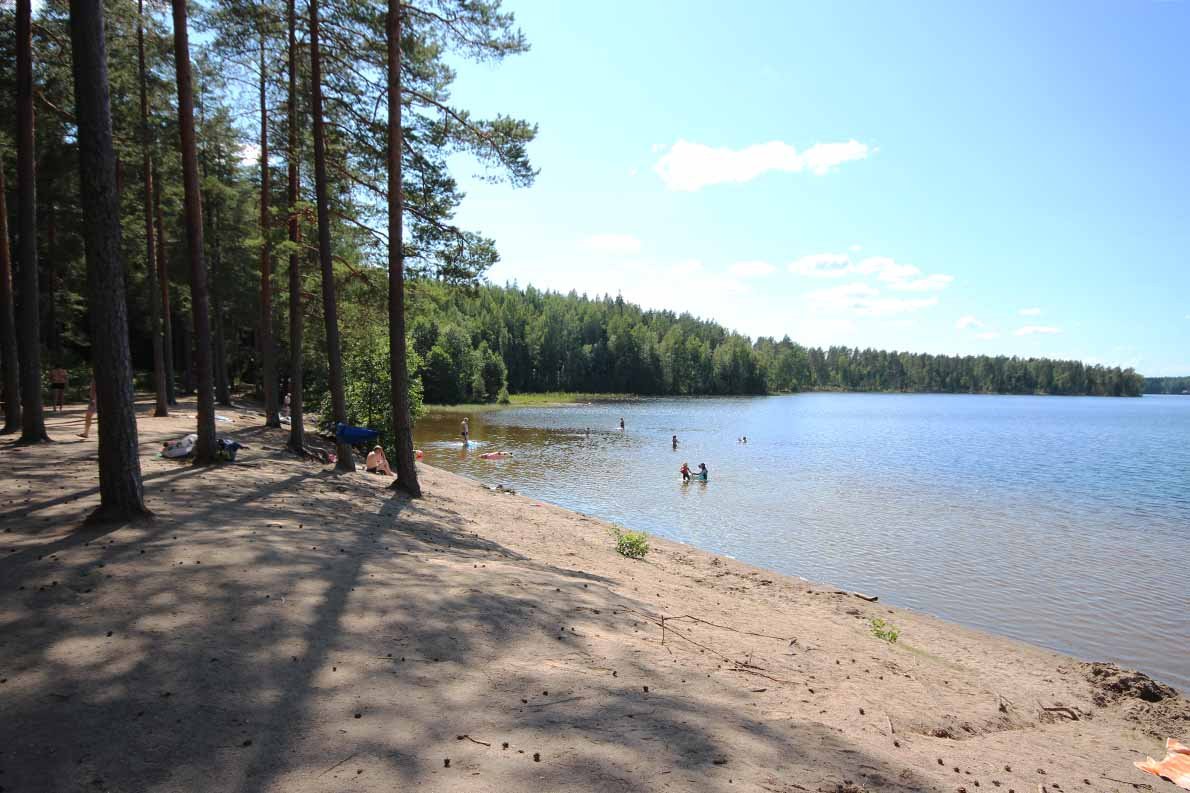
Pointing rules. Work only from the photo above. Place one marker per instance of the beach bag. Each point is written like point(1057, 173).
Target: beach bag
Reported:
point(182, 447)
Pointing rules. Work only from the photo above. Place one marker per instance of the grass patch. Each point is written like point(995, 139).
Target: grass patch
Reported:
point(884, 630)
point(633, 544)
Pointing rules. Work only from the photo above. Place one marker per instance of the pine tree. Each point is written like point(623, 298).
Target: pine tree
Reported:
point(8, 328)
point(121, 492)
point(154, 295)
point(204, 450)
point(27, 299)
point(297, 436)
point(334, 354)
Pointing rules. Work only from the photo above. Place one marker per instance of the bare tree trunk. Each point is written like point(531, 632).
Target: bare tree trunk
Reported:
point(52, 335)
point(346, 460)
point(121, 492)
point(297, 431)
point(187, 348)
point(204, 450)
point(268, 355)
point(8, 327)
point(162, 408)
point(398, 366)
point(219, 340)
point(167, 316)
point(28, 324)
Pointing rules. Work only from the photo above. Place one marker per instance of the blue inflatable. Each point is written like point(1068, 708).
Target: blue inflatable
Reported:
point(353, 435)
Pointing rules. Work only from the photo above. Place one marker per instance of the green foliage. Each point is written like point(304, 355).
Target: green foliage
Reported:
point(1167, 385)
point(884, 630)
point(633, 544)
point(552, 342)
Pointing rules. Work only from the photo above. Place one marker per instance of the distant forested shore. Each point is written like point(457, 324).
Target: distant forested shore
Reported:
point(1167, 385)
point(474, 344)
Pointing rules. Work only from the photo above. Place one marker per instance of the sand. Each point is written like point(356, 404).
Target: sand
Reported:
point(282, 627)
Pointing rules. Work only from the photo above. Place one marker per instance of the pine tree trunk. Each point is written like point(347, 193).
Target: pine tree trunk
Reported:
point(52, 335)
point(297, 431)
point(8, 326)
point(167, 316)
point(346, 460)
point(204, 450)
point(219, 341)
point(162, 407)
point(268, 355)
point(398, 366)
point(121, 492)
point(28, 321)
point(187, 348)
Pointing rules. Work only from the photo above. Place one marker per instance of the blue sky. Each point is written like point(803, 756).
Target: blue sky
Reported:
point(1006, 177)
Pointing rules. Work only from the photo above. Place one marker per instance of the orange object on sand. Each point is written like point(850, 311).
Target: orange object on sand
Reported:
point(1175, 767)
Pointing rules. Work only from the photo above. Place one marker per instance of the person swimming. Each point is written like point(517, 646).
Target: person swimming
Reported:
point(685, 471)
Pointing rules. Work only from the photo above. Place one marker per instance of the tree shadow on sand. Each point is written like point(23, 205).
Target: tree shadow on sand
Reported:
point(298, 629)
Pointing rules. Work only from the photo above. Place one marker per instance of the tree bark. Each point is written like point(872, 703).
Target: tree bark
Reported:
point(52, 335)
point(297, 431)
point(204, 450)
point(8, 326)
point(121, 492)
point(167, 316)
point(268, 355)
point(28, 321)
point(346, 459)
point(162, 407)
point(219, 340)
point(398, 367)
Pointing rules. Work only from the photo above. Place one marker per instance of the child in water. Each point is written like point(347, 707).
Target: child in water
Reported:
point(685, 471)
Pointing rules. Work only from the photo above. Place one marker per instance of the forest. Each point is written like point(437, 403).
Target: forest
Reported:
point(1167, 385)
point(204, 199)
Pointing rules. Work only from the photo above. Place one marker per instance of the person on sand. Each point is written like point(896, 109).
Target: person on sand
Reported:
point(466, 432)
point(377, 463)
point(685, 471)
point(90, 416)
point(58, 379)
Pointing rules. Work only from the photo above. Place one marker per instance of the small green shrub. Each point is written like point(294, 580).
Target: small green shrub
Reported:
point(884, 630)
point(633, 544)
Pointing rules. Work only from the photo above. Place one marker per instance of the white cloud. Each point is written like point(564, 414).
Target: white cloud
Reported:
point(687, 166)
point(856, 248)
point(1030, 312)
point(686, 267)
point(988, 335)
point(613, 244)
point(968, 321)
point(1032, 330)
point(896, 275)
point(864, 300)
point(632, 172)
point(751, 269)
point(822, 265)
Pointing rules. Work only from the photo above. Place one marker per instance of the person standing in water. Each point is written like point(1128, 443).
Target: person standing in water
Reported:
point(621, 422)
point(702, 472)
point(466, 432)
point(685, 472)
point(675, 443)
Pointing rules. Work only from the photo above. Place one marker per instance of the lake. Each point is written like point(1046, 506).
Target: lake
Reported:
point(1061, 521)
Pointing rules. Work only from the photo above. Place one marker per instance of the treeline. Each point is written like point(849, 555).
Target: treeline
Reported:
point(1167, 385)
point(467, 338)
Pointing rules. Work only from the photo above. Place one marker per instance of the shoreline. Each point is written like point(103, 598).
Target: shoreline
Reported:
point(281, 627)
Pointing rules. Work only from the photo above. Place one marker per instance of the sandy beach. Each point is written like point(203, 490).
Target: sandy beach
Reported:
point(282, 627)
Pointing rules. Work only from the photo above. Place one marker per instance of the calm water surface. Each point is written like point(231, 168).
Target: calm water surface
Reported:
point(1060, 521)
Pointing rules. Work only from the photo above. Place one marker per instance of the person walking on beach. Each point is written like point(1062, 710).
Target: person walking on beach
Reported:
point(58, 379)
point(466, 432)
point(91, 408)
